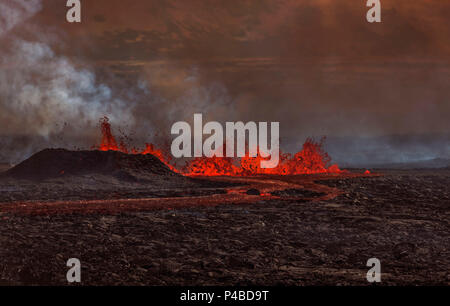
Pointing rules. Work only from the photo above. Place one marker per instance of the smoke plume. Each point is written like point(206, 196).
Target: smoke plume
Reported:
point(44, 94)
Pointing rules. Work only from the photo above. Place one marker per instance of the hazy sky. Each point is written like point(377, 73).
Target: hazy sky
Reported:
point(317, 66)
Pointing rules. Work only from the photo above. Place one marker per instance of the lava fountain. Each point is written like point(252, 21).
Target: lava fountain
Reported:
point(311, 159)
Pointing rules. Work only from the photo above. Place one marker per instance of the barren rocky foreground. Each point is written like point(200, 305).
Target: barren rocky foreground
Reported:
point(401, 218)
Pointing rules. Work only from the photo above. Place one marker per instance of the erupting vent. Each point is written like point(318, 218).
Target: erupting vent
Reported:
point(312, 159)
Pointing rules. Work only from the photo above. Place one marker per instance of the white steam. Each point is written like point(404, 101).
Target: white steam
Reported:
point(13, 12)
point(40, 90)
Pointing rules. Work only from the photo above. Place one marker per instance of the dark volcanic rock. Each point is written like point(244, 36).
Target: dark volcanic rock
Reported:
point(253, 192)
point(297, 192)
point(54, 163)
point(400, 218)
point(57, 175)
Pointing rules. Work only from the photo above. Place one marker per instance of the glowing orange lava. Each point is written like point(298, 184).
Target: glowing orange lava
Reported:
point(312, 159)
point(109, 143)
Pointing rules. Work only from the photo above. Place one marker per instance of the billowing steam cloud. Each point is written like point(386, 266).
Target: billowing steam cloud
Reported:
point(42, 88)
point(13, 12)
point(41, 91)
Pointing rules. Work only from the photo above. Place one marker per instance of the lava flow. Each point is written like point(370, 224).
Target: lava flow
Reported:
point(312, 159)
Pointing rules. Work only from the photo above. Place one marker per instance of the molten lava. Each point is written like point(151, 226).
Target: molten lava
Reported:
point(109, 143)
point(312, 159)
